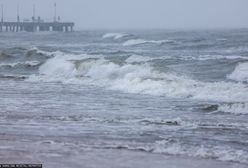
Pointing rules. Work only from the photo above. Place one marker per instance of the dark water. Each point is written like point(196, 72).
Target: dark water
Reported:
point(133, 99)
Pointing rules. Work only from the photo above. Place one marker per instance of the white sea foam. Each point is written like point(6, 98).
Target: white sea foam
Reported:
point(223, 153)
point(9, 64)
point(236, 108)
point(61, 67)
point(218, 152)
point(115, 36)
point(240, 73)
point(28, 63)
point(141, 78)
point(135, 42)
point(32, 63)
point(46, 53)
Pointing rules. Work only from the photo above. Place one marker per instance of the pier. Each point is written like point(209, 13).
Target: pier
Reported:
point(35, 24)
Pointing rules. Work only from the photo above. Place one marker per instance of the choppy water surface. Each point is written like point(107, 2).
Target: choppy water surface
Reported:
point(125, 98)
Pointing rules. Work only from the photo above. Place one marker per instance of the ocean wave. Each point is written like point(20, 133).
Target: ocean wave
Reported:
point(221, 126)
point(240, 73)
point(223, 153)
point(135, 42)
point(115, 36)
point(136, 78)
point(15, 77)
point(4, 56)
point(173, 147)
point(171, 122)
point(213, 57)
point(236, 108)
point(27, 63)
point(35, 51)
point(138, 58)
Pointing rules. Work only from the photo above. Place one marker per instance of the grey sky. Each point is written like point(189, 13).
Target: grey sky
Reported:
point(138, 13)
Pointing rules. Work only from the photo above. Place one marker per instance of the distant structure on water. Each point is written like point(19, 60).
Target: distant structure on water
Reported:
point(35, 24)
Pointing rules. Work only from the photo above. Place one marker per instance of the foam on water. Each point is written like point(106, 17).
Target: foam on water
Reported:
point(135, 42)
point(115, 36)
point(216, 152)
point(177, 148)
point(240, 73)
point(141, 78)
point(139, 58)
point(26, 63)
point(236, 108)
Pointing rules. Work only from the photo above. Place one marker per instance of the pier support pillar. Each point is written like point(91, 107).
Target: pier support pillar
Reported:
point(66, 28)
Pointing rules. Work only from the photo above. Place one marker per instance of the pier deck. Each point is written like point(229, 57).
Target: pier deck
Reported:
point(36, 26)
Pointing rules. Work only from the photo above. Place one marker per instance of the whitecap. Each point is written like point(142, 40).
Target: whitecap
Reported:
point(28, 63)
point(235, 108)
point(223, 153)
point(136, 78)
point(115, 36)
point(135, 42)
point(240, 73)
point(172, 147)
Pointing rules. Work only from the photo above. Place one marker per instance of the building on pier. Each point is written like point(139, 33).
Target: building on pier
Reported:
point(35, 24)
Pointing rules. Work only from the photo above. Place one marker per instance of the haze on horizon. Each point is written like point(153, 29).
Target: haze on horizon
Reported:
point(135, 14)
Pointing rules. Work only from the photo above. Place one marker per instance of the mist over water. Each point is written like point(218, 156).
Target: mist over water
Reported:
point(135, 14)
point(156, 95)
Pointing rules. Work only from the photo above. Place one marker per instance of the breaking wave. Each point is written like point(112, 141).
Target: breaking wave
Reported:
point(210, 152)
point(35, 51)
point(240, 73)
point(135, 42)
point(172, 147)
point(235, 108)
point(115, 36)
point(136, 78)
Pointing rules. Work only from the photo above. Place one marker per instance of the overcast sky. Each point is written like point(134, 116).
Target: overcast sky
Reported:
point(135, 14)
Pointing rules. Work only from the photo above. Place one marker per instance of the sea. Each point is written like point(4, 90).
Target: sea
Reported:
point(125, 98)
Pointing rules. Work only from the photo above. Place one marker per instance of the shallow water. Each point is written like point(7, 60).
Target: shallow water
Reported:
point(165, 97)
